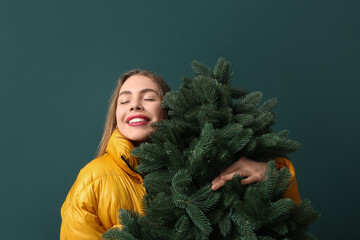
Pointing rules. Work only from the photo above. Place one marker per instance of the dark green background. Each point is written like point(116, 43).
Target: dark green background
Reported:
point(60, 61)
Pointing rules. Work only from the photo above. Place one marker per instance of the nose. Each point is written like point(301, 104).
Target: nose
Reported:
point(136, 105)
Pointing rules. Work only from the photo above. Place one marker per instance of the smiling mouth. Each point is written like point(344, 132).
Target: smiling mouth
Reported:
point(138, 120)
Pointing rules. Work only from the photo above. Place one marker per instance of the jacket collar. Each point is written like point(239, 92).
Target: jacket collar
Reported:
point(119, 149)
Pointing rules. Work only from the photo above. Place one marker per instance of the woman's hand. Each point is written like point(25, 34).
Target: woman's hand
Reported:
point(245, 167)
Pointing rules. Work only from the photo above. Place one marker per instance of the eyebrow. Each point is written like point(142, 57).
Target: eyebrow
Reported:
point(142, 91)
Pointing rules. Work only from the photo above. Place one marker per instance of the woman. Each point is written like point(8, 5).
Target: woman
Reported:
point(110, 182)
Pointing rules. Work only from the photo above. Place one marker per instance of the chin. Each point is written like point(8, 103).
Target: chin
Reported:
point(134, 135)
point(138, 139)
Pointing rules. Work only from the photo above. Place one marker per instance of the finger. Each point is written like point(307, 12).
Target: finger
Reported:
point(242, 164)
point(251, 179)
point(215, 180)
point(230, 169)
point(217, 185)
point(243, 173)
point(228, 177)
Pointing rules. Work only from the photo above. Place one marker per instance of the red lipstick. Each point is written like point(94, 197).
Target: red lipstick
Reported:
point(139, 120)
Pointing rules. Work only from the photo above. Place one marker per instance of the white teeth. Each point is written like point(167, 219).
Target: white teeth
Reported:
point(134, 120)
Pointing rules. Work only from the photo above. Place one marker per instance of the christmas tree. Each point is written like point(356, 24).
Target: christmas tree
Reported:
point(210, 125)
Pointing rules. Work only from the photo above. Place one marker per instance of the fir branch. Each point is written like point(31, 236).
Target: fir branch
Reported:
point(273, 185)
point(175, 155)
point(225, 226)
point(244, 119)
point(186, 82)
point(205, 199)
point(130, 220)
point(181, 181)
point(199, 218)
point(277, 229)
point(265, 120)
point(222, 71)
point(238, 92)
point(181, 229)
point(201, 69)
point(306, 214)
point(180, 199)
point(158, 181)
point(268, 105)
point(280, 210)
point(116, 233)
point(283, 134)
point(248, 102)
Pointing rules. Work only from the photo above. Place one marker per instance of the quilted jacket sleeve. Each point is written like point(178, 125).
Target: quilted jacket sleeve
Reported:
point(293, 191)
point(79, 218)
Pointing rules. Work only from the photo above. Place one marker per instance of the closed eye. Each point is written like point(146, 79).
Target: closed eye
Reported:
point(124, 102)
point(149, 99)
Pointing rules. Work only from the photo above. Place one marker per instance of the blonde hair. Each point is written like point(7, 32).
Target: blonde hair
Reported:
point(110, 122)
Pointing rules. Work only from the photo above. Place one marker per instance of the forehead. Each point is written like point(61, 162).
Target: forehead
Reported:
point(137, 83)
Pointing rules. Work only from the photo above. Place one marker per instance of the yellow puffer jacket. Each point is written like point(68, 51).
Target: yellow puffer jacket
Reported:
point(102, 187)
point(110, 183)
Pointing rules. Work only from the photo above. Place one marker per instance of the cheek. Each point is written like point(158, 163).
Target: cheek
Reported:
point(160, 113)
point(118, 115)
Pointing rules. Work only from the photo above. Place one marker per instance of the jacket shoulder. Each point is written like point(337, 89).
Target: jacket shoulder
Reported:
point(84, 193)
point(100, 167)
point(96, 170)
